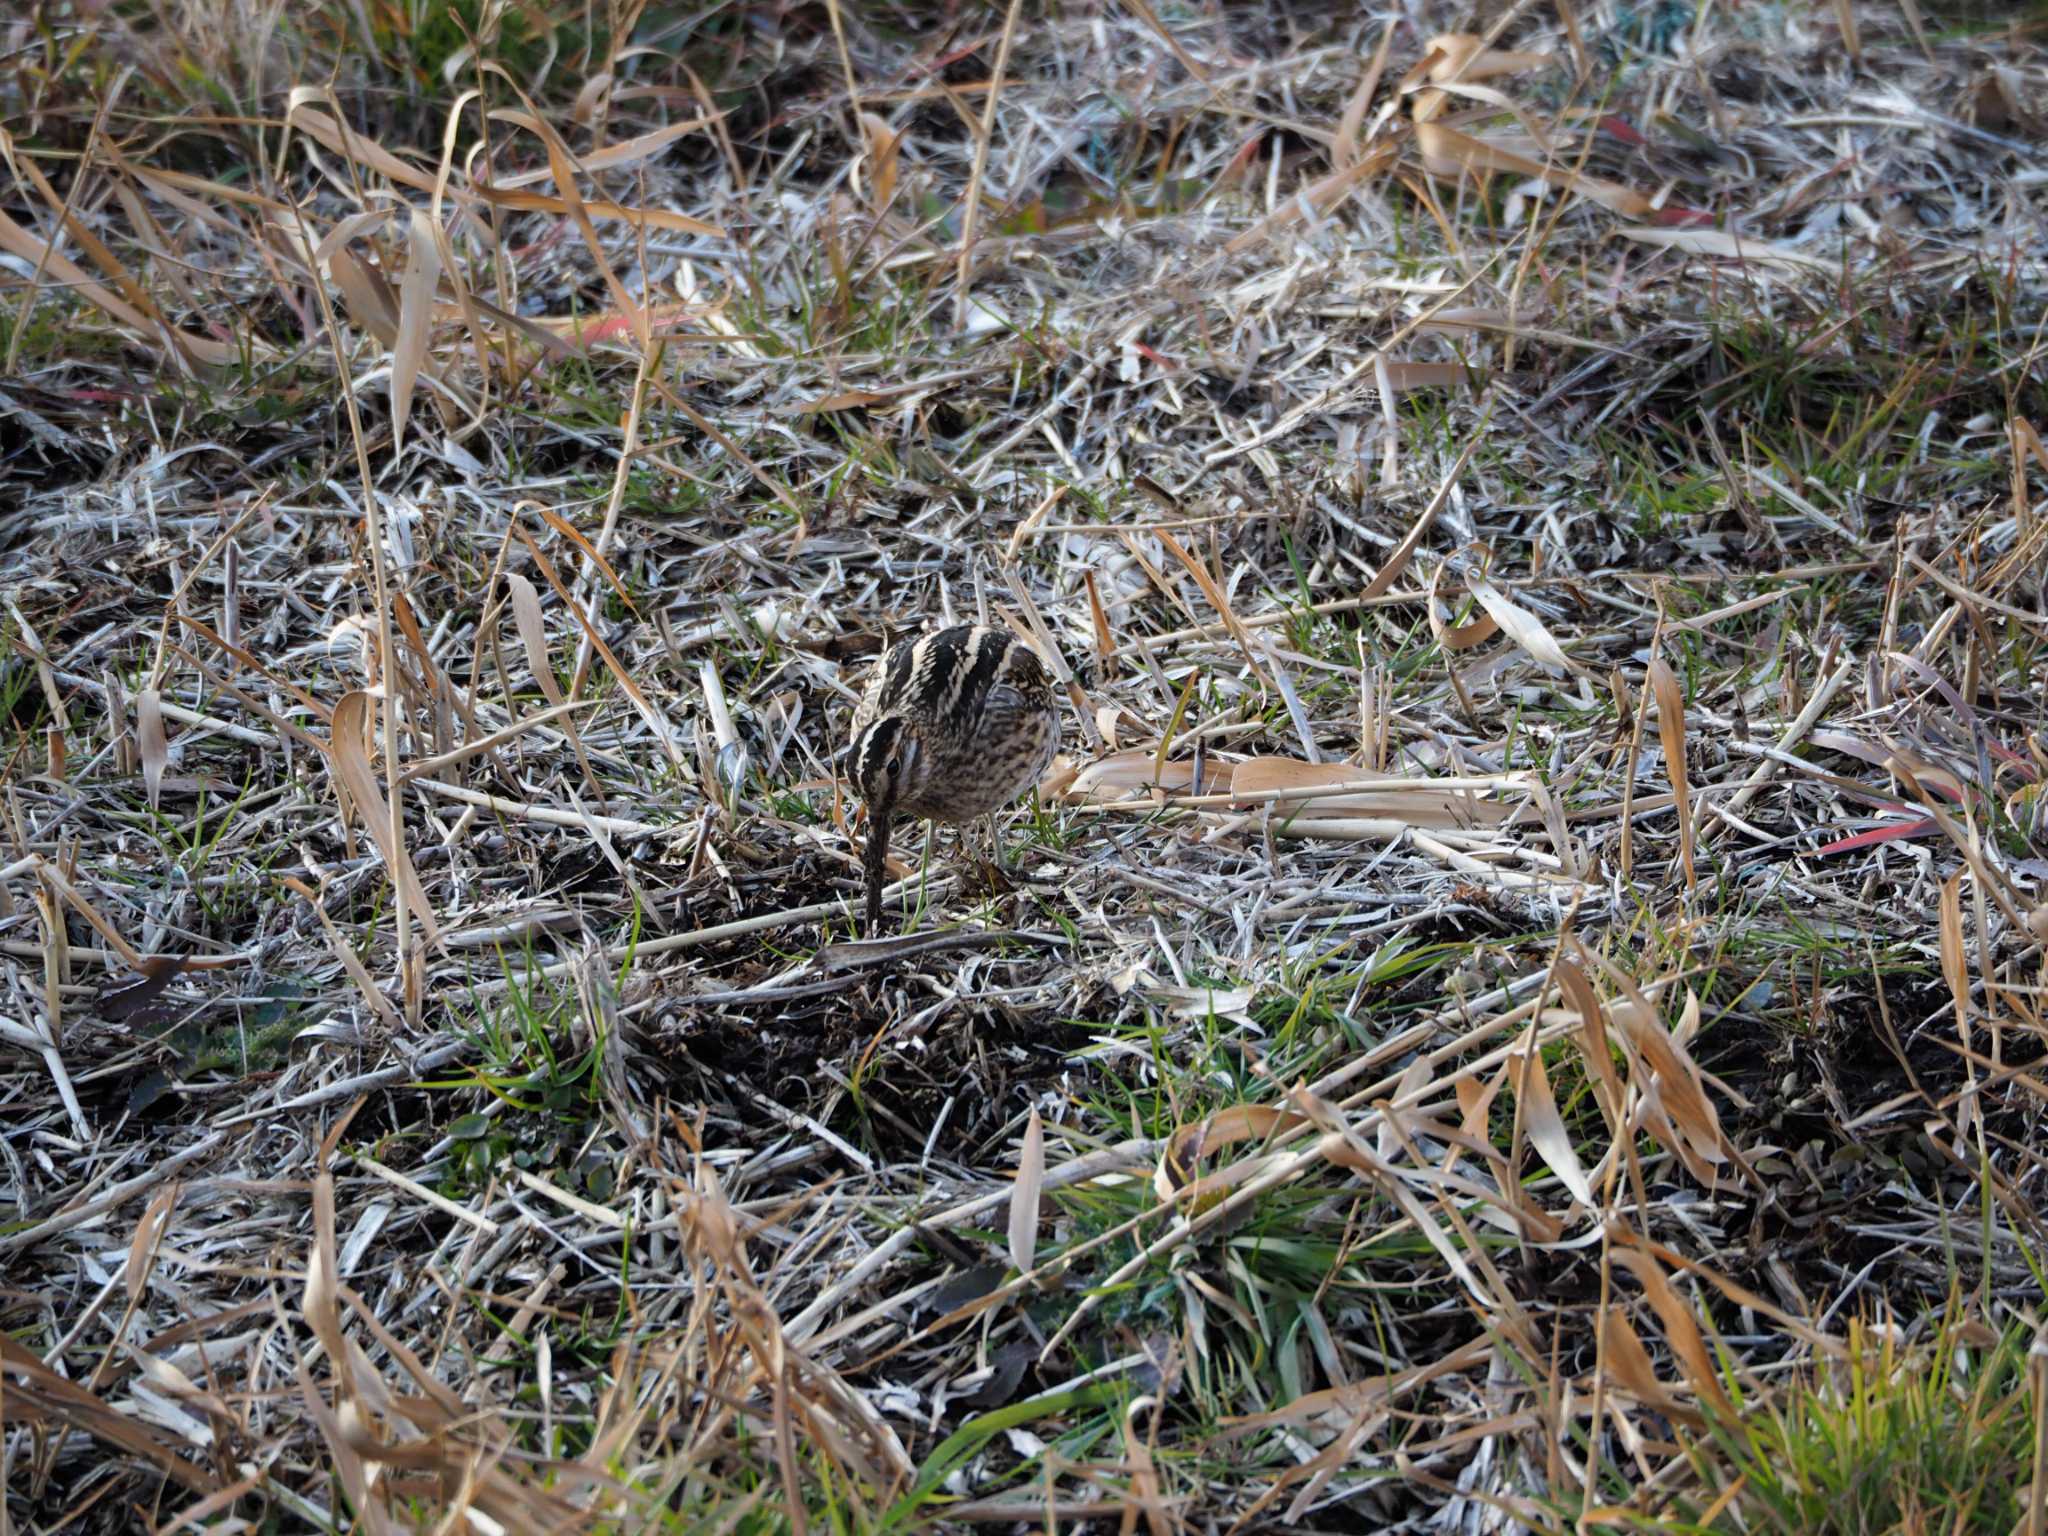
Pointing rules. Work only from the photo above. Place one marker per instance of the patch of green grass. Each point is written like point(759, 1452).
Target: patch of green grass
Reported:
point(1092, 1412)
point(1314, 1002)
point(1886, 1439)
point(1666, 499)
point(418, 38)
point(189, 849)
point(543, 1095)
point(18, 689)
point(256, 1041)
point(1764, 941)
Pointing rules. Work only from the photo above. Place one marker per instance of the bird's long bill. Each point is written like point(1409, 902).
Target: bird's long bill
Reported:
point(875, 863)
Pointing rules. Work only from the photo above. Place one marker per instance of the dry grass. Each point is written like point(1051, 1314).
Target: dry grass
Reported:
point(1521, 1008)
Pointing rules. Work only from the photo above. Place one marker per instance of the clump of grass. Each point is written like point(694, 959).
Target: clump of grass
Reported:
point(1887, 1438)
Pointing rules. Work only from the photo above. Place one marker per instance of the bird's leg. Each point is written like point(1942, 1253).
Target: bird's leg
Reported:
point(986, 863)
point(924, 868)
point(875, 865)
point(995, 846)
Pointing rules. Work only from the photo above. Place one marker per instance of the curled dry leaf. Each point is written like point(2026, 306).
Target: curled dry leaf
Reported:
point(1522, 627)
point(883, 143)
point(1465, 56)
point(1058, 781)
point(1226, 1128)
point(1455, 58)
point(1456, 637)
point(1450, 155)
point(1106, 717)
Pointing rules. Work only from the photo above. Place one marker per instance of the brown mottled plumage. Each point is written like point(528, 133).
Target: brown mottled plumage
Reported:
point(954, 724)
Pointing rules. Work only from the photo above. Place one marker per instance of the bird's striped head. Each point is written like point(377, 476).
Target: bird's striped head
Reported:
point(887, 764)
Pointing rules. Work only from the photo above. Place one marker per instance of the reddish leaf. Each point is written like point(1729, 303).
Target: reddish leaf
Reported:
point(1879, 835)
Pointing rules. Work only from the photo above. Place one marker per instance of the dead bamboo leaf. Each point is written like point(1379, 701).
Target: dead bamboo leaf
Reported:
point(349, 761)
point(1591, 1039)
point(326, 131)
point(1681, 1328)
point(1329, 789)
point(35, 1394)
point(1114, 777)
point(143, 1243)
point(1057, 783)
point(19, 242)
point(1026, 1194)
point(1955, 970)
point(883, 143)
point(1344, 141)
point(1105, 642)
point(345, 953)
point(1724, 244)
point(591, 552)
point(151, 742)
point(1142, 1476)
point(1466, 56)
point(1671, 733)
point(1188, 1145)
point(1679, 1083)
point(1384, 578)
point(1538, 1117)
point(1521, 626)
point(371, 303)
point(1450, 155)
point(1318, 198)
point(60, 884)
point(415, 318)
point(533, 634)
point(656, 722)
point(1456, 637)
point(1629, 1366)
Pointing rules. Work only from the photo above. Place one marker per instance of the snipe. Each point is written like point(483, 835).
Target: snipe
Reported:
point(954, 724)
